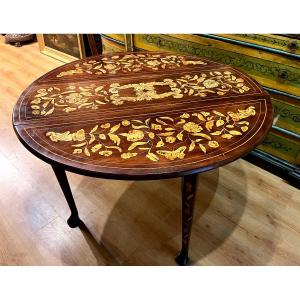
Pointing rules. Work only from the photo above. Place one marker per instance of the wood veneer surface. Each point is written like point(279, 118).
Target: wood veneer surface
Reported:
point(243, 216)
point(142, 115)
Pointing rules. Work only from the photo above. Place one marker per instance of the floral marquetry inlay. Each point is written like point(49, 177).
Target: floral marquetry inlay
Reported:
point(142, 115)
point(131, 63)
point(92, 96)
point(161, 137)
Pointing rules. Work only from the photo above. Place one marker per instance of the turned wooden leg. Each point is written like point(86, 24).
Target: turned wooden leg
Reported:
point(189, 185)
point(61, 176)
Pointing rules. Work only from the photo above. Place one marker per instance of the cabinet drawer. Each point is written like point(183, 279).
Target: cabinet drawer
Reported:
point(109, 45)
point(272, 41)
point(282, 146)
point(286, 112)
point(271, 70)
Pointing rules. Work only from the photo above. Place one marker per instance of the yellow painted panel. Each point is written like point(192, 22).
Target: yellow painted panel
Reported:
point(266, 40)
point(118, 37)
point(109, 46)
point(282, 146)
point(264, 66)
point(264, 55)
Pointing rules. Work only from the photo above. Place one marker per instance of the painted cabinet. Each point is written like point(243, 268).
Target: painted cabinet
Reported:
point(273, 60)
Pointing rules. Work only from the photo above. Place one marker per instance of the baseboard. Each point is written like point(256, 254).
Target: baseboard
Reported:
point(274, 165)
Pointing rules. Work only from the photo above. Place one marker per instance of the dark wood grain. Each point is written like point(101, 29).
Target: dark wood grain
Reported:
point(142, 115)
point(189, 186)
point(62, 179)
point(142, 96)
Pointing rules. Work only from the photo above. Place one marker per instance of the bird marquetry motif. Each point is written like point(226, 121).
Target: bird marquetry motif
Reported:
point(126, 114)
point(131, 63)
point(140, 116)
point(92, 96)
point(165, 136)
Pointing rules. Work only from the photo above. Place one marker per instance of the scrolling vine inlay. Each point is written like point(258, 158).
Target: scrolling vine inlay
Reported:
point(93, 96)
point(131, 63)
point(165, 136)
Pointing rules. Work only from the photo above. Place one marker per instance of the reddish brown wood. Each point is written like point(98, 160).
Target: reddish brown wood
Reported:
point(142, 115)
point(62, 179)
point(189, 186)
point(75, 88)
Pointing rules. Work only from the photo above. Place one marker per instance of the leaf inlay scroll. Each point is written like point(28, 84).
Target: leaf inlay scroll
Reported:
point(48, 100)
point(130, 63)
point(166, 137)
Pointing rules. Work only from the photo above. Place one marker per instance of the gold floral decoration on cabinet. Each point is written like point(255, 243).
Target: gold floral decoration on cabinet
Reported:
point(93, 96)
point(165, 136)
point(130, 63)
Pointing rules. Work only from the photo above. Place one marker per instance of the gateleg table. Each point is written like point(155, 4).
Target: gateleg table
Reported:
point(139, 116)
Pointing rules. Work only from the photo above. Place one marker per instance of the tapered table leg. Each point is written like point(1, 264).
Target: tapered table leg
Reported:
point(189, 185)
point(61, 176)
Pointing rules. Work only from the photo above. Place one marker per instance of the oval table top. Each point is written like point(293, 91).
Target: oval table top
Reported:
point(142, 115)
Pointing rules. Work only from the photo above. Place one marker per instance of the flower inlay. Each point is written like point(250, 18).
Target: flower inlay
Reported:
point(47, 100)
point(169, 137)
point(131, 63)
